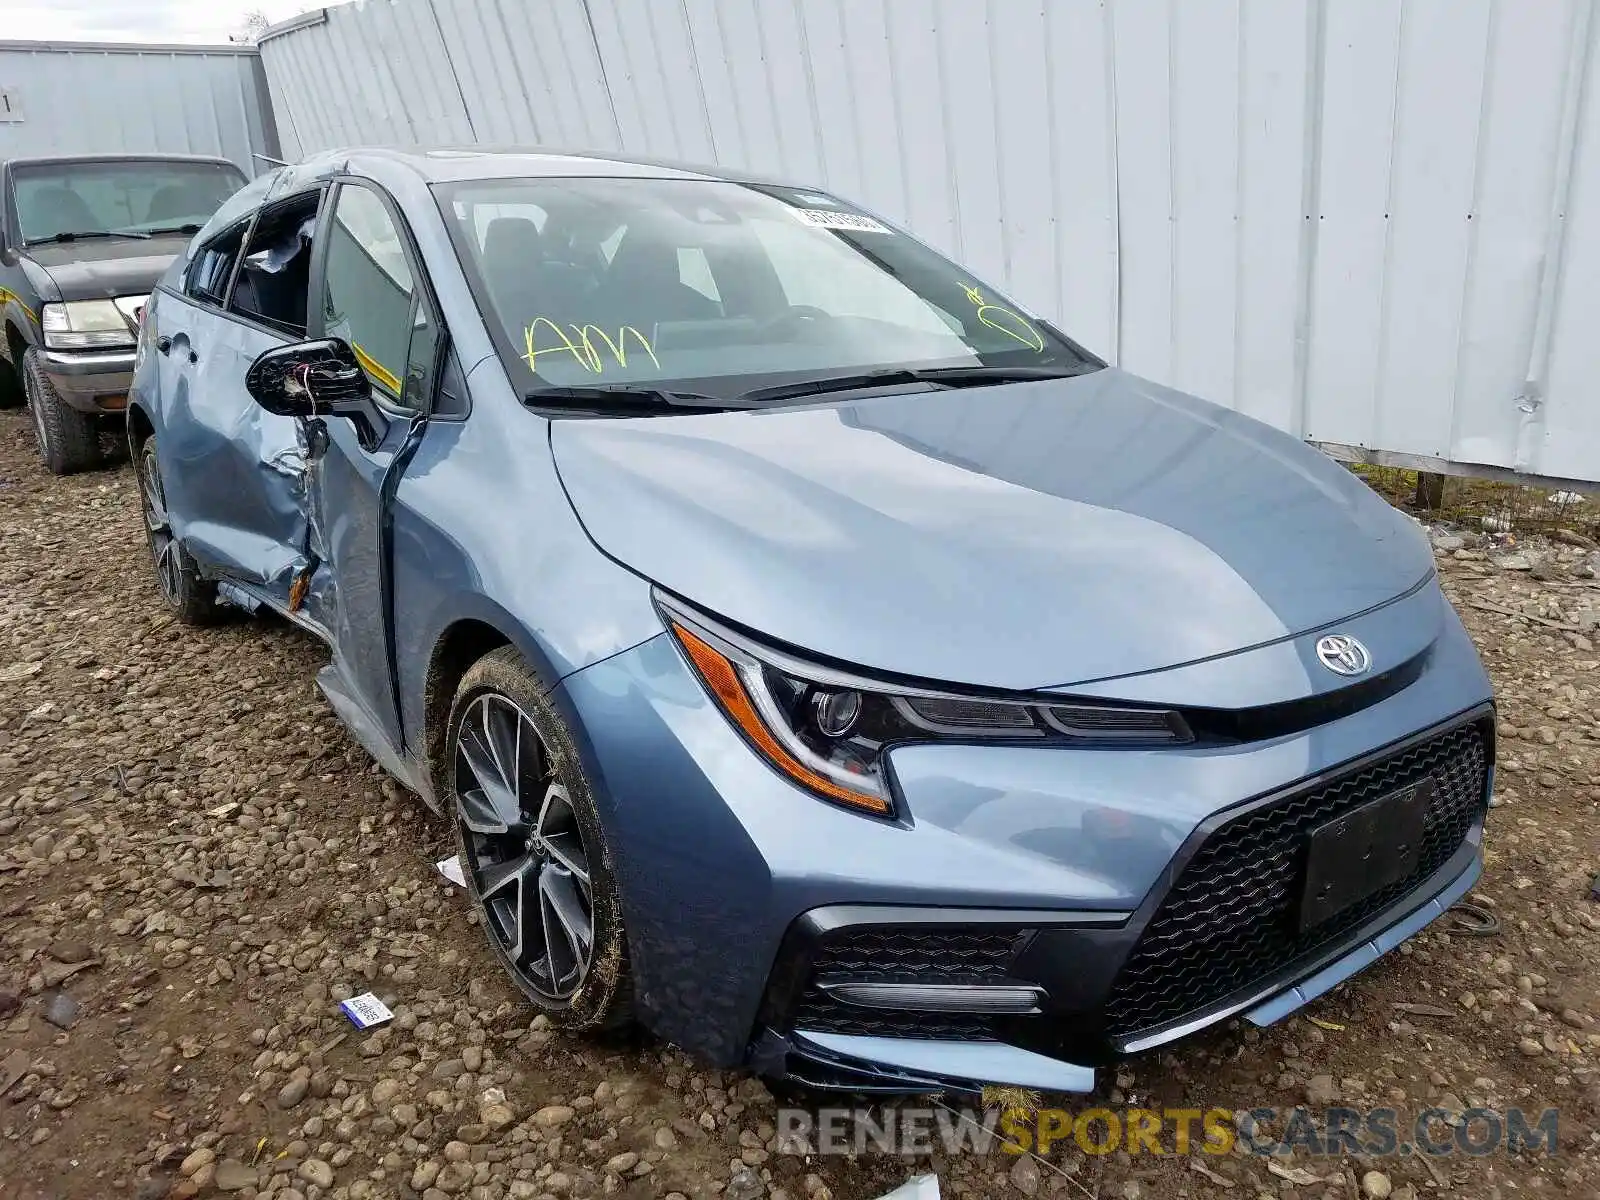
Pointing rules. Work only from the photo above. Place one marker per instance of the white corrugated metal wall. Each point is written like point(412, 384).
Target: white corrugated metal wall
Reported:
point(91, 98)
point(1375, 223)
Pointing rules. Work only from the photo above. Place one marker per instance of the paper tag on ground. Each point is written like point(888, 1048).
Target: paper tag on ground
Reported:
point(850, 222)
point(918, 1187)
point(365, 1010)
point(450, 868)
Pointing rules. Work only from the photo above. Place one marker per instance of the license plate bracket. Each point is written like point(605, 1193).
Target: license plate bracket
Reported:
point(1363, 851)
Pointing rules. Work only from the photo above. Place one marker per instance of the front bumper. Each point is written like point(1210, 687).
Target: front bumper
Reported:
point(875, 1063)
point(91, 381)
point(734, 881)
point(1054, 1051)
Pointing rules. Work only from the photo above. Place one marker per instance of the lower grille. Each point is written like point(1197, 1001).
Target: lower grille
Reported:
point(1230, 919)
point(905, 954)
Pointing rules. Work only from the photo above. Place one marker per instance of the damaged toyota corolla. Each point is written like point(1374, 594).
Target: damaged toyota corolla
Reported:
point(822, 659)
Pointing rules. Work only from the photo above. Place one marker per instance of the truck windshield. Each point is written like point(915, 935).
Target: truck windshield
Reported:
point(125, 196)
point(724, 289)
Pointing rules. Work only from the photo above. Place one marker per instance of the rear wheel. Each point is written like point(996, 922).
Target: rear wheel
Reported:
point(532, 849)
point(69, 441)
point(193, 600)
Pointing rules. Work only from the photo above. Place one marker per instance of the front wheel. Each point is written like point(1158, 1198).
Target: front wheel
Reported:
point(535, 857)
point(193, 600)
point(69, 441)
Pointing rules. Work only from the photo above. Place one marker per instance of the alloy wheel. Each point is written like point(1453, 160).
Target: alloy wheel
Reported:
point(524, 847)
point(163, 546)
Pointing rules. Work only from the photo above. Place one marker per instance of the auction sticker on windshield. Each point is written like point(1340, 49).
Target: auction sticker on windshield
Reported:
point(849, 222)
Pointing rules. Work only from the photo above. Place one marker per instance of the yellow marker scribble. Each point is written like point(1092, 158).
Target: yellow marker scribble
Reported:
point(567, 345)
point(1004, 320)
point(618, 348)
point(581, 345)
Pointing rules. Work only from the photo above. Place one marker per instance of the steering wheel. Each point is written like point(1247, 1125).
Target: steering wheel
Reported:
point(793, 323)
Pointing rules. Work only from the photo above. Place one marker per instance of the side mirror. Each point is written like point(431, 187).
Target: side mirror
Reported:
point(314, 379)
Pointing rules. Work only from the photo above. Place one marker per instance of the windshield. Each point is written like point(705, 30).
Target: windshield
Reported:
point(721, 288)
point(129, 196)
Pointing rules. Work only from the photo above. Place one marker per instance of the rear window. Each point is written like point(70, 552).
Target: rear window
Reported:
point(129, 196)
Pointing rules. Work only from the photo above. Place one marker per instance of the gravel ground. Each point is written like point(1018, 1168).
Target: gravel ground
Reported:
point(196, 864)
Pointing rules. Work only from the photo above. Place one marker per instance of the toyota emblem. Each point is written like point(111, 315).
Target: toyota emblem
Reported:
point(1343, 655)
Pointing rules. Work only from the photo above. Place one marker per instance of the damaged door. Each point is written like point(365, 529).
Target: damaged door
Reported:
point(369, 294)
point(241, 470)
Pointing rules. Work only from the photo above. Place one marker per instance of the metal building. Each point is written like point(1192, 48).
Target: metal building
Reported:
point(1374, 223)
point(93, 98)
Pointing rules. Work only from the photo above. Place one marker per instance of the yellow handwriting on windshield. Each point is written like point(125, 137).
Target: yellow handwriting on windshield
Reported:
point(580, 343)
point(1007, 321)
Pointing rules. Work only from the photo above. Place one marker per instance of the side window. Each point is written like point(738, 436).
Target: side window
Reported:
point(212, 266)
point(371, 301)
point(275, 277)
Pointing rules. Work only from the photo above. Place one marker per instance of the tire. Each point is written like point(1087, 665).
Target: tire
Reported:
point(193, 600)
point(69, 441)
point(546, 846)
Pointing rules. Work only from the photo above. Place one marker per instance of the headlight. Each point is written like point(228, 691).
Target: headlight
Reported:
point(830, 730)
point(85, 325)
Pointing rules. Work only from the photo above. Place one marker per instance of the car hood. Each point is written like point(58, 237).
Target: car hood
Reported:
point(1026, 536)
point(103, 268)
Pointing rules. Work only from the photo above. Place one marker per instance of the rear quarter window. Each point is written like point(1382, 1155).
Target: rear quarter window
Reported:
point(206, 278)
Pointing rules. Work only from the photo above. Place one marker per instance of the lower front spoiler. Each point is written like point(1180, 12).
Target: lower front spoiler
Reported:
point(1367, 953)
point(907, 1066)
point(855, 1063)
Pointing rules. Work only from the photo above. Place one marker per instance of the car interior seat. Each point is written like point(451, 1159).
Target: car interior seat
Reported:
point(644, 285)
point(179, 202)
point(525, 283)
point(53, 210)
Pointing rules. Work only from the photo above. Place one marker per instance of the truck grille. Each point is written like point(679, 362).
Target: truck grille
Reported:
point(1229, 922)
point(905, 954)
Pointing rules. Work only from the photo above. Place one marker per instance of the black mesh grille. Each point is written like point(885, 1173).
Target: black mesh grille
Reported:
point(1230, 920)
point(903, 954)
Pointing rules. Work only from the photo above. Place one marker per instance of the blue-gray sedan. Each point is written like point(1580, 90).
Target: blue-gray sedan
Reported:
point(822, 658)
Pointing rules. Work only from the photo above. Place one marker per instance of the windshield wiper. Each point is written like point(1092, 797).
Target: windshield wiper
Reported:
point(71, 236)
point(975, 376)
point(626, 399)
point(186, 227)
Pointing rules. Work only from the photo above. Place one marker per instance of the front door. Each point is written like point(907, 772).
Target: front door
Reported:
point(233, 472)
point(367, 293)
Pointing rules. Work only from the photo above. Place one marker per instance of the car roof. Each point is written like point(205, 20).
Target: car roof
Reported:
point(454, 164)
point(70, 159)
point(451, 164)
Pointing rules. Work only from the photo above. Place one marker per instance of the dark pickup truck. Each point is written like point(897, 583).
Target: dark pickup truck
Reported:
point(83, 239)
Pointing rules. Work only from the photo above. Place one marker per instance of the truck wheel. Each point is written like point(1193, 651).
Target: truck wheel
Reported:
point(69, 440)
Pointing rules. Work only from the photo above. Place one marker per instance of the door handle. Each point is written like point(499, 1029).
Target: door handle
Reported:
point(163, 343)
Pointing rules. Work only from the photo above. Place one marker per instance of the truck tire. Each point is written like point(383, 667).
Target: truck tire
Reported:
point(69, 441)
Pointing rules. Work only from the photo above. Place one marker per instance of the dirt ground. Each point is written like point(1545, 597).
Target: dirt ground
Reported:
point(196, 864)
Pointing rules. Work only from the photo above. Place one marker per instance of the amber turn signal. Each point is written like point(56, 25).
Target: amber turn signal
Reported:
point(722, 678)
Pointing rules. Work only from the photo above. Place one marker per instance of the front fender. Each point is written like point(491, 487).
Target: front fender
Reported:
point(483, 532)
